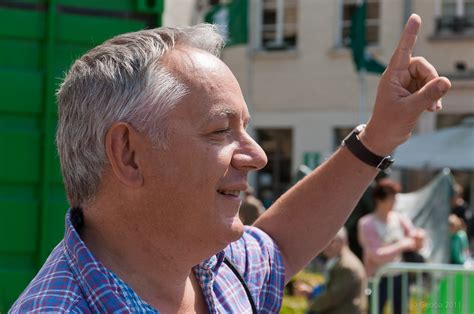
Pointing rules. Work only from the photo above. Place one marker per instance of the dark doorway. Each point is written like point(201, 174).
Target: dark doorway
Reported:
point(275, 178)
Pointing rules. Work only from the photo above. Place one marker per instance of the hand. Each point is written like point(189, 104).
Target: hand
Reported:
point(408, 86)
point(419, 237)
point(302, 289)
point(408, 244)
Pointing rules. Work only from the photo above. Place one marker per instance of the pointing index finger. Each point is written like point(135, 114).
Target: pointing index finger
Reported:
point(401, 57)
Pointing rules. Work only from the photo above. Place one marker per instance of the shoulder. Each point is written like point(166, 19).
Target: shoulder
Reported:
point(254, 246)
point(366, 221)
point(349, 259)
point(352, 265)
point(53, 289)
point(254, 236)
point(257, 257)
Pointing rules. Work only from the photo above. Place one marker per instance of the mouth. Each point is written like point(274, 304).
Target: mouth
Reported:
point(230, 193)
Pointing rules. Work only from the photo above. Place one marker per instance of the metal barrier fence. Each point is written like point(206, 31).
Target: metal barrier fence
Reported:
point(423, 288)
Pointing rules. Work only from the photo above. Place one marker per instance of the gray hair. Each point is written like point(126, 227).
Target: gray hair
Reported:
point(122, 80)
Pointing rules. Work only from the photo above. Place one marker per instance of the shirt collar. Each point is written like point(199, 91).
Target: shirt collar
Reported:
point(92, 275)
point(213, 263)
point(99, 288)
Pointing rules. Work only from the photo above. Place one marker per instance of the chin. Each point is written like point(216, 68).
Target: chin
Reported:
point(233, 230)
point(238, 228)
point(214, 238)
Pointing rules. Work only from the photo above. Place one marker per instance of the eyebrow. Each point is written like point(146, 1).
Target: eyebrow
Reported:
point(225, 113)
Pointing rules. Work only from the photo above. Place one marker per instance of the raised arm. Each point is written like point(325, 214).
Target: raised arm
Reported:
point(305, 218)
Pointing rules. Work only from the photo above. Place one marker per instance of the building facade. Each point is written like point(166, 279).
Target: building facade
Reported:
point(299, 81)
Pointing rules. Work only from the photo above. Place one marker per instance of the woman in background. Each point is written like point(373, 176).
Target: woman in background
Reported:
point(384, 236)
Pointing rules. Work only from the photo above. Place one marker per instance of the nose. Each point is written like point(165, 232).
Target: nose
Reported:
point(249, 156)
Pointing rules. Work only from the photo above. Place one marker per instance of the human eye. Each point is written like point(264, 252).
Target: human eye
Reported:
point(221, 134)
point(222, 131)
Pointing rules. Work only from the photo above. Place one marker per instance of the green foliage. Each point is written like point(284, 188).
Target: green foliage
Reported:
point(294, 305)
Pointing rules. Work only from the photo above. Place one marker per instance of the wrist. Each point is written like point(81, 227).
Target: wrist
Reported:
point(374, 143)
point(355, 145)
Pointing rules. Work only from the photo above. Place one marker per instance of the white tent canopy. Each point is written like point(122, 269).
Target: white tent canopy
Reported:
point(451, 147)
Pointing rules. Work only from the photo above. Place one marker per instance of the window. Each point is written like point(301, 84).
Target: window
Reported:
point(372, 22)
point(340, 133)
point(275, 178)
point(444, 120)
point(454, 17)
point(277, 24)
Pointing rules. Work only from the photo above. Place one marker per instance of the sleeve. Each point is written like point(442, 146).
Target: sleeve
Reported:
point(343, 283)
point(372, 244)
point(260, 262)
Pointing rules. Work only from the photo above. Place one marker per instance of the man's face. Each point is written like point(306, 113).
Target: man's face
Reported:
point(193, 186)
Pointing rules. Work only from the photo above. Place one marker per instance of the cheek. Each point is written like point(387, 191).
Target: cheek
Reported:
point(192, 167)
point(212, 162)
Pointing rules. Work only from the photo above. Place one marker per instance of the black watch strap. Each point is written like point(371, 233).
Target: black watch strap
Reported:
point(353, 143)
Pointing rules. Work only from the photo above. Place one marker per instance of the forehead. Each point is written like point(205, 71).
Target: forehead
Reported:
point(214, 92)
point(201, 71)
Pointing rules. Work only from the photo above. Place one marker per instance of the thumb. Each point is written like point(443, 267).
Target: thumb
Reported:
point(430, 93)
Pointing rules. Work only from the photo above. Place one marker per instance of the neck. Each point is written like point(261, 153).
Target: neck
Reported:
point(382, 212)
point(157, 268)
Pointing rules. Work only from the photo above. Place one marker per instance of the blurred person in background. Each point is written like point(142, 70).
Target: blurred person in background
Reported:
point(384, 236)
point(346, 281)
point(459, 245)
point(461, 209)
point(251, 207)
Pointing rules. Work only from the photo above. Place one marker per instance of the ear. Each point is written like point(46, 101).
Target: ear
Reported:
point(122, 148)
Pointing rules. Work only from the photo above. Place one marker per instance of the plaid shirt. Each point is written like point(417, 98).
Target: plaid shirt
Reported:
point(72, 280)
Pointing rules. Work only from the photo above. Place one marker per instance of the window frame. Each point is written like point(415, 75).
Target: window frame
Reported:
point(280, 25)
point(341, 24)
point(452, 24)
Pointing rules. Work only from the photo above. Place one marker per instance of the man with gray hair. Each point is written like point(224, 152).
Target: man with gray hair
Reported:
point(154, 153)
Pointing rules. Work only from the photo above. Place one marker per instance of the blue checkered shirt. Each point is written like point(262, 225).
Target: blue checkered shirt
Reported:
point(72, 280)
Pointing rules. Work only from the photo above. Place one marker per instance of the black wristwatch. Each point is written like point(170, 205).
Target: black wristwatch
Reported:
point(353, 143)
